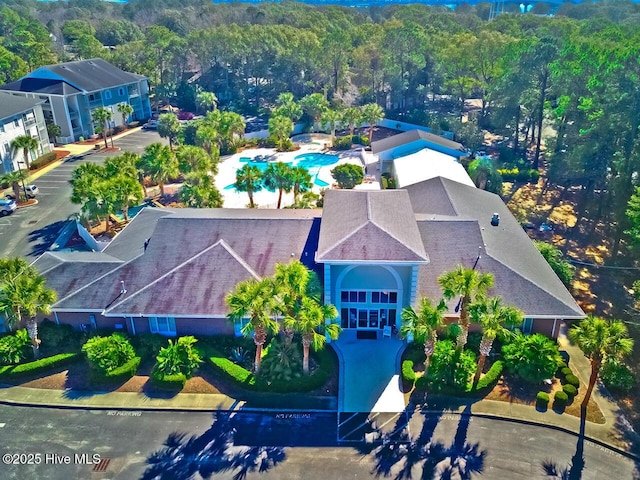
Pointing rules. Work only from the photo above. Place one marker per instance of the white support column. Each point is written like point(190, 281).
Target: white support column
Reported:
point(327, 283)
point(133, 326)
point(55, 314)
point(414, 285)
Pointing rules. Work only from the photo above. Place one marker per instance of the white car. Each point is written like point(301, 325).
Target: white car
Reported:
point(7, 207)
point(31, 191)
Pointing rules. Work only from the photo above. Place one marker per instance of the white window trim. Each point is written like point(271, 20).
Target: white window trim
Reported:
point(155, 326)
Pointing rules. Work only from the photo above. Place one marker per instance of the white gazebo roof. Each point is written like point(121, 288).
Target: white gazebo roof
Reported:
point(427, 164)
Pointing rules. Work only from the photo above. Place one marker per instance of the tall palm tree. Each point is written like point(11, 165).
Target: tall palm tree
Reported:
point(207, 137)
point(160, 163)
point(293, 282)
point(249, 179)
point(423, 325)
point(492, 316)
point(352, 116)
point(372, 113)
point(253, 299)
point(102, 116)
point(14, 179)
point(280, 128)
point(314, 323)
point(286, 106)
point(125, 110)
point(192, 159)
point(125, 191)
point(169, 127)
point(199, 191)
point(331, 118)
point(600, 339)
point(301, 181)
point(27, 144)
point(314, 105)
point(125, 164)
point(278, 176)
point(206, 100)
point(23, 296)
point(469, 284)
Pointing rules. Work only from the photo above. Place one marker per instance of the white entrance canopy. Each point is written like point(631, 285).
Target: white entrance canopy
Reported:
point(427, 164)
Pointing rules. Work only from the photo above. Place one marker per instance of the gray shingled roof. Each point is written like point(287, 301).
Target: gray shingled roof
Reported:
point(369, 226)
point(11, 105)
point(260, 238)
point(40, 85)
point(507, 250)
point(412, 136)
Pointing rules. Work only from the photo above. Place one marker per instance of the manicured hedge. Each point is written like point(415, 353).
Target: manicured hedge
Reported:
point(491, 376)
point(560, 400)
point(168, 382)
point(542, 400)
point(119, 374)
point(572, 380)
point(566, 371)
point(570, 390)
point(38, 366)
point(43, 160)
point(231, 370)
point(408, 375)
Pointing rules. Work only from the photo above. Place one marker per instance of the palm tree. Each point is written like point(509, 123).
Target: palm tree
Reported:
point(14, 179)
point(280, 128)
point(23, 296)
point(102, 116)
point(125, 164)
point(253, 299)
point(169, 127)
point(125, 110)
point(313, 327)
point(207, 100)
point(286, 106)
point(301, 181)
point(423, 325)
point(293, 283)
point(125, 191)
point(199, 191)
point(331, 118)
point(278, 176)
point(493, 316)
point(372, 113)
point(249, 179)
point(160, 163)
point(27, 144)
point(315, 105)
point(600, 339)
point(192, 159)
point(352, 116)
point(469, 284)
point(207, 137)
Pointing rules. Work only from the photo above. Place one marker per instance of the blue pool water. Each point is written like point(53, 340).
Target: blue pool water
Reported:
point(311, 161)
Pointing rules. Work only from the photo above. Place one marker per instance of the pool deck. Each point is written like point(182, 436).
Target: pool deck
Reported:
point(264, 198)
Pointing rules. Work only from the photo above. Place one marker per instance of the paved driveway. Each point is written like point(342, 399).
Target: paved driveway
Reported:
point(30, 231)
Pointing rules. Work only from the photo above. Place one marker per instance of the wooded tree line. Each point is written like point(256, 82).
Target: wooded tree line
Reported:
point(576, 72)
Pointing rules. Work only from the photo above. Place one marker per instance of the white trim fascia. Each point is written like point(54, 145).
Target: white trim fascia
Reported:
point(147, 315)
point(553, 317)
point(75, 310)
point(374, 262)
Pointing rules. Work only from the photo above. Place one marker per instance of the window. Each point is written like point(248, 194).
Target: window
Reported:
point(107, 95)
point(353, 296)
point(16, 123)
point(163, 325)
point(121, 92)
point(92, 97)
point(238, 325)
point(384, 297)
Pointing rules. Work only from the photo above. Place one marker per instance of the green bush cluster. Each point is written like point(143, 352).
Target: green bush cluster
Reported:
point(108, 353)
point(571, 379)
point(37, 366)
point(566, 371)
point(533, 358)
point(282, 361)
point(168, 382)
point(560, 400)
point(179, 357)
point(492, 376)
point(408, 375)
point(449, 369)
point(59, 338)
point(15, 348)
point(119, 374)
point(147, 345)
point(43, 160)
point(617, 376)
point(570, 390)
point(542, 400)
point(342, 143)
point(387, 182)
point(231, 370)
point(517, 175)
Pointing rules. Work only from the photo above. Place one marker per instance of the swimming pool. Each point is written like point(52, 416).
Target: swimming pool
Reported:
point(313, 159)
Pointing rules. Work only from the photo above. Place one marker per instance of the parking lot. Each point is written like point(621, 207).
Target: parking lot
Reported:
point(30, 231)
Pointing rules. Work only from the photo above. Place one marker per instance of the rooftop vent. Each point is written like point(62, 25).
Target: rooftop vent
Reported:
point(495, 220)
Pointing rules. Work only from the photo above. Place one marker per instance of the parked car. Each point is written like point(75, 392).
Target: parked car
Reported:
point(31, 191)
point(7, 207)
point(150, 125)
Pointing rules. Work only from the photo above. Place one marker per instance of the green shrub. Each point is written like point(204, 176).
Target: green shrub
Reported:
point(348, 175)
point(179, 357)
point(342, 143)
point(168, 382)
point(59, 337)
point(491, 376)
point(561, 367)
point(37, 366)
point(15, 348)
point(119, 374)
point(147, 345)
point(384, 183)
point(533, 358)
point(570, 390)
point(229, 369)
point(522, 176)
point(361, 140)
point(43, 160)
point(269, 142)
point(448, 368)
point(566, 371)
point(282, 361)
point(572, 380)
point(534, 176)
point(617, 376)
point(542, 400)
point(560, 400)
point(408, 375)
point(108, 353)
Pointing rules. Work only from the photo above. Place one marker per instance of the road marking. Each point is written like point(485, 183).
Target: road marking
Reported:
point(55, 188)
point(2, 425)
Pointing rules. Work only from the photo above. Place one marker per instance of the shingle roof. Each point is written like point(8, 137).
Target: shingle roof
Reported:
point(93, 74)
point(40, 85)
point(369, 226)
point(411, 136)
point(11, 105)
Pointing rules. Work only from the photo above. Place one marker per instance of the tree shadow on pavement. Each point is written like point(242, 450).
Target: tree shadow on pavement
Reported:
point(402, 456)
point(574, 470)
point(40, 240)
point(211, 453)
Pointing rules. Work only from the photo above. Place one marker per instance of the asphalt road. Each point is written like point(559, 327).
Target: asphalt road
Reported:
point(281, 446)
point(30, 231)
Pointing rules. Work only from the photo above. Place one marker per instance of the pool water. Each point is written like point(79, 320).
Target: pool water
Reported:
point(312, 159)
